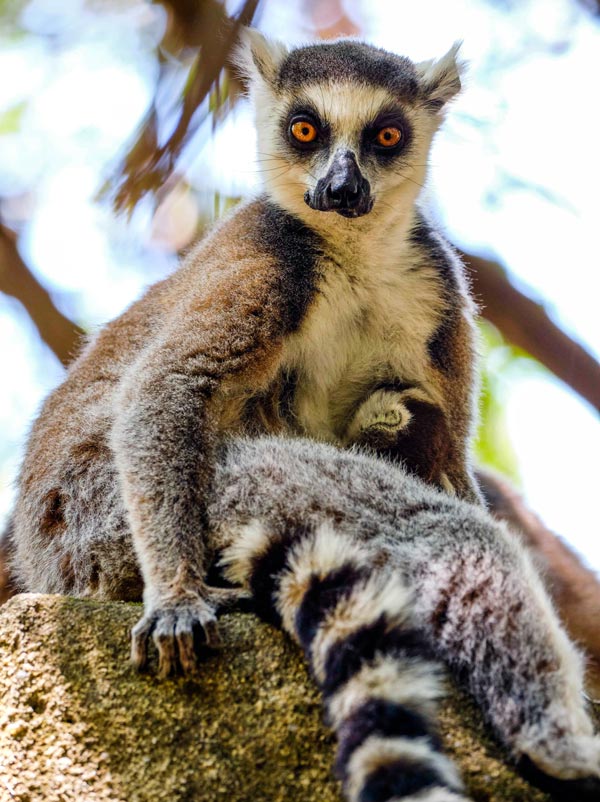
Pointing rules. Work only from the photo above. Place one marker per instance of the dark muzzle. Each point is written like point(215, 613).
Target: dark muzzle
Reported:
point(343, 190)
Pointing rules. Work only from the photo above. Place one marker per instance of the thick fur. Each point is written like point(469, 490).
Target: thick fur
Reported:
point(379, 578)
point(284, 319)
point(573, 587)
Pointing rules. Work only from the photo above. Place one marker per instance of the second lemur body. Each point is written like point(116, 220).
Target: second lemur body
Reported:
point(328, 307)
point(379, 578)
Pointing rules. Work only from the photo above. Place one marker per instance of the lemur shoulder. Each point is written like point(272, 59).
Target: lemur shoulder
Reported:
point(327, 307)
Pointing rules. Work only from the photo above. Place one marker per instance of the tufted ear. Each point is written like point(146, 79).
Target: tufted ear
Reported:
point(440, 79)
point(258, 57)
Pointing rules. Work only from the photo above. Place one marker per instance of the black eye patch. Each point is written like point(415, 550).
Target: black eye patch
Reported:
point(304, 114)
point(378, 139)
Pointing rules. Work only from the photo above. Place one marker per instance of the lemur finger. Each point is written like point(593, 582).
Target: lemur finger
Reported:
point(164, 640)
point(184, 634)
point(211, 633)
point(140, 635)
point(226, 598)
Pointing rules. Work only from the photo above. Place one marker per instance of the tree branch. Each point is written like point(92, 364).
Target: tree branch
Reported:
point(55, 329)
point(526, 324)
point(205, 28)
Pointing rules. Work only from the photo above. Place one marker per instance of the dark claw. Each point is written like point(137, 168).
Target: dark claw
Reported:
point(140, 635)
point(185, 648)
point(211, 632)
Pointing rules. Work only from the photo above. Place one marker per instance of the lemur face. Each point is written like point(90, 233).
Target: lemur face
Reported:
point(344, 129)
point(345, 140)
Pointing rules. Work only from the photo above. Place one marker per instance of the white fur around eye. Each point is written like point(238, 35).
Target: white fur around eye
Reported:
point(347, 108)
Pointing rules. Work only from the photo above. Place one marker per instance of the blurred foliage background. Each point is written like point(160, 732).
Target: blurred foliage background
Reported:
point(124, 134)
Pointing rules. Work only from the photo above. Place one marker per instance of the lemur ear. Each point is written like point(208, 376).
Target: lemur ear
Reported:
point(258, 57)
point(440, 78)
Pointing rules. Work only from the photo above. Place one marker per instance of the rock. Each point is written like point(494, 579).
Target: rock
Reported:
point(77, 723)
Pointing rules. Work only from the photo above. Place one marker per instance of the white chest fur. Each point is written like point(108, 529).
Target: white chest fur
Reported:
point(370, 322)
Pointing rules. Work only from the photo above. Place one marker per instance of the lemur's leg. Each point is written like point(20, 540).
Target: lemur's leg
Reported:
point(489, 618)
point(355, 624)
point(406, 425)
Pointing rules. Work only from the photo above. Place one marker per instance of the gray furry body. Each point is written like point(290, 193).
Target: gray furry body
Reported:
point(340, 548)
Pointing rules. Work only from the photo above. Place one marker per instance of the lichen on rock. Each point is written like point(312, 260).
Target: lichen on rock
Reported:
point(77, 723)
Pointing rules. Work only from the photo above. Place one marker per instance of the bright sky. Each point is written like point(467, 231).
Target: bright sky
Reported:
point(86, 98)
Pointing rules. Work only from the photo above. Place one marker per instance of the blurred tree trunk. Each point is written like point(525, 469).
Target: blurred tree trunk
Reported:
point(526, 324)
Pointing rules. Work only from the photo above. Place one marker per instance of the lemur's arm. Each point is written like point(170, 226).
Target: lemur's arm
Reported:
point(166, 424)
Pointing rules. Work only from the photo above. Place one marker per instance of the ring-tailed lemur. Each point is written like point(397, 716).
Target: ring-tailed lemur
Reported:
point(327, 307)
point(379, 577)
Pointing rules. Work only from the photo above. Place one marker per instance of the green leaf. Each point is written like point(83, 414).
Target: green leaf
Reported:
point(11, 119)
point(493, 447)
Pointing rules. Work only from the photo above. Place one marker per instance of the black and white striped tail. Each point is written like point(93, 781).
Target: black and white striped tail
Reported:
point(354, 622)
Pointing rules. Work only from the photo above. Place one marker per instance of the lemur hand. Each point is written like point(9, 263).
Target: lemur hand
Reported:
point(383, 414)
point(181, 629)
point(406, 425)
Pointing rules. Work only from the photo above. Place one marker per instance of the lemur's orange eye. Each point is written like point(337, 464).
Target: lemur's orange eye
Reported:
point(304, 131)
point(389, 136)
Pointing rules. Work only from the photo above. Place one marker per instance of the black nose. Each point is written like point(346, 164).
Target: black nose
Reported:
point(344, 192)
point(343, 189)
